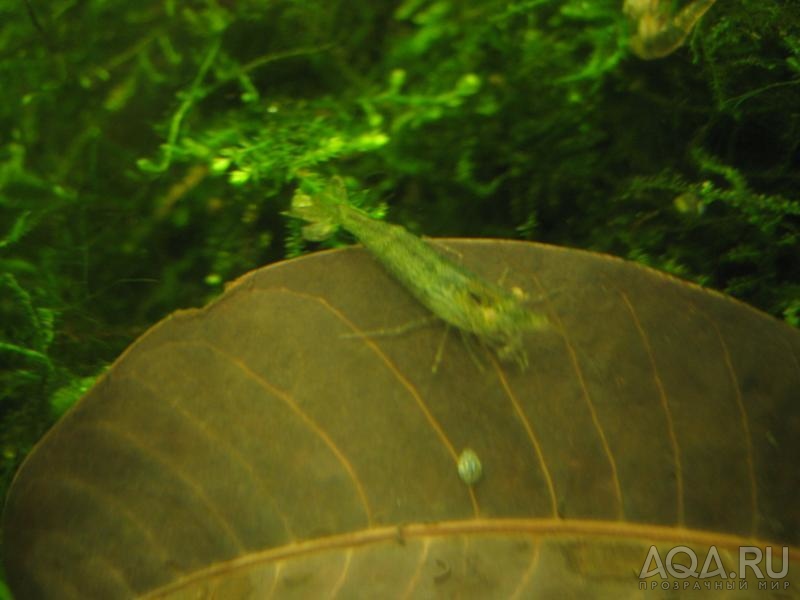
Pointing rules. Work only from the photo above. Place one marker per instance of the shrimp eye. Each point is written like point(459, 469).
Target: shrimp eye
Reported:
point(475, 297)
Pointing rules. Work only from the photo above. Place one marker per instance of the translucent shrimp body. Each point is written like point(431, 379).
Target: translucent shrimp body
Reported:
point(495, 315)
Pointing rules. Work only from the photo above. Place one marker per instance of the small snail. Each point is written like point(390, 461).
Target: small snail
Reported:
point(469, 467)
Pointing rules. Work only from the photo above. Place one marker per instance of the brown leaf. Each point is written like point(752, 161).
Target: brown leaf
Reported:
point(256, 447)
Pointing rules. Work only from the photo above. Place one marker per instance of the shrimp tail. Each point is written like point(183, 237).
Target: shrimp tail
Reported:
point(320, 209)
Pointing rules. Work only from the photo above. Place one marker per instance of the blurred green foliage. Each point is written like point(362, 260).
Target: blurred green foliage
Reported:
point(147, 150)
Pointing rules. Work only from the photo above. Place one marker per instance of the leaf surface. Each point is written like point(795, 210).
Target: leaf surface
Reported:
point(261, 446)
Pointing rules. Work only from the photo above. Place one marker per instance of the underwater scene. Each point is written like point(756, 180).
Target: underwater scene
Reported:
point(399, 299)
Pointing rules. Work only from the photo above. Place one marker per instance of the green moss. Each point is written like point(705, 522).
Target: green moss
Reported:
point(148, 150)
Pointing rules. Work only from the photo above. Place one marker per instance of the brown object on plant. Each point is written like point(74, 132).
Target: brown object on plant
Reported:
point(659, 33)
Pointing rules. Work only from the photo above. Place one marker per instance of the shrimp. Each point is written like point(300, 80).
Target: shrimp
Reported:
point(495, 315)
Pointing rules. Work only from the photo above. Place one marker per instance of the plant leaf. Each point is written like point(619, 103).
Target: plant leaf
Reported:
point(257, 447)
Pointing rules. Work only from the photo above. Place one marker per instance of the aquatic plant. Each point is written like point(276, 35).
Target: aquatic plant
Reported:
point(147, 151)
